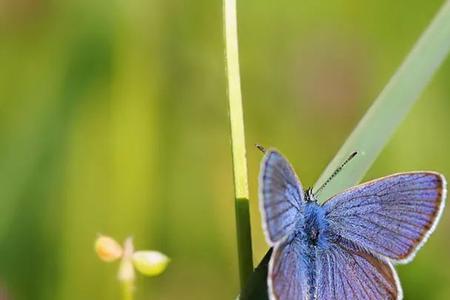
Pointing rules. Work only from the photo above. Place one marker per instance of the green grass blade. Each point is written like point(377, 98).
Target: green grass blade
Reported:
point(244, 239)
point(389, 109)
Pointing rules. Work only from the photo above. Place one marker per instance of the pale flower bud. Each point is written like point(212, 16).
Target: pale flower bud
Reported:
point(108, 249)
point(150, 263)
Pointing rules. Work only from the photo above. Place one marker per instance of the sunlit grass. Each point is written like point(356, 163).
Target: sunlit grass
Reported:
point(244, 239)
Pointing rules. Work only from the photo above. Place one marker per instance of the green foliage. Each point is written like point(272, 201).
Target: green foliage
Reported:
point(113, 118)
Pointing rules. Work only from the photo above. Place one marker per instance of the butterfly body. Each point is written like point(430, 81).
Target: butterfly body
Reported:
point(315, 226)
point(312, 237)
point(344, 248)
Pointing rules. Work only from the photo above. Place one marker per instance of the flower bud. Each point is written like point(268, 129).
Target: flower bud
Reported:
point(150, 263)
point(108, 249)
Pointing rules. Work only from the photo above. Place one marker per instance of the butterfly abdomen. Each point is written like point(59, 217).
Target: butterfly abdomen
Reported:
point(314, 237)
point(311, 279)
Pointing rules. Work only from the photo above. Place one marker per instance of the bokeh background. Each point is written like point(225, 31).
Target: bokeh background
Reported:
point(113, 119)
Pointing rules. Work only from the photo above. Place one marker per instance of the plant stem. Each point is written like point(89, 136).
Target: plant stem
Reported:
point(126, 273)
point(392, 105)
point(244, 240)
point(127, 290)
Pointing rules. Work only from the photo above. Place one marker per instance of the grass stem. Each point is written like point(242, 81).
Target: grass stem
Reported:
point(244, 240)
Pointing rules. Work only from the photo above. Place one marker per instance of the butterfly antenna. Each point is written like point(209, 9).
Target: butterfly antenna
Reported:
point(335, 173)
point(260, 148)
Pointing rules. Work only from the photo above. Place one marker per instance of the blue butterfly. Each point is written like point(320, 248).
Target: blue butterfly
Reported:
point(344, 248)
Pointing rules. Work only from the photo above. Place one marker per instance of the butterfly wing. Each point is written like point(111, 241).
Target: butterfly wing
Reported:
point(287, 277)
point(281, 196)
point(391, 216)
point(346, 271)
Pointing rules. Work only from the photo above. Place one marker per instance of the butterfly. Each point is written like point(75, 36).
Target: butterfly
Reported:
point(344, 248)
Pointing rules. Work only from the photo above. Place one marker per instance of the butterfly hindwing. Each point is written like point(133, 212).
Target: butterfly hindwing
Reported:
point(391, 216)
point(281, 196)
point(287, 271)
point(346, 271)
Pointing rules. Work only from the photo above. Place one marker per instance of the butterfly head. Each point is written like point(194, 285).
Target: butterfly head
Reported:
point(309, 195)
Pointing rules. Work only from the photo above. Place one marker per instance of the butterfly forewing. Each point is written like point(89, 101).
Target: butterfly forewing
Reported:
point(391, 216)
point(346, 271)
point(281, 196)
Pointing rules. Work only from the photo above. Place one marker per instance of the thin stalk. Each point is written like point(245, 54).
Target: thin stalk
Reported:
point(126, 273)
point(127, 291)
point(391, 106)
point(244, 239)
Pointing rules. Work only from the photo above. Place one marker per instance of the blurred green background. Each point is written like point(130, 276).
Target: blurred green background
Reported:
point(113, 119)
